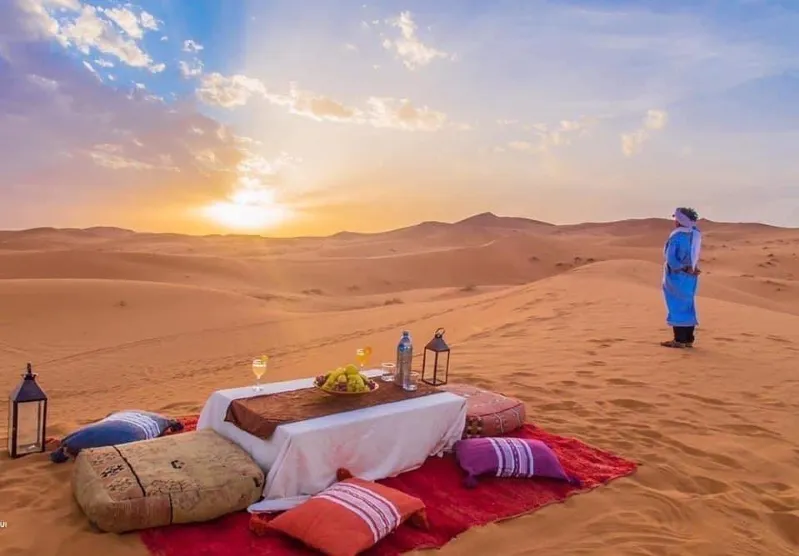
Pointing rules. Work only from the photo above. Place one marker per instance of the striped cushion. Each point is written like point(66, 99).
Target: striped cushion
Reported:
point(508, 457)
point(349, 517)
point(147, 426)
point(118, 428)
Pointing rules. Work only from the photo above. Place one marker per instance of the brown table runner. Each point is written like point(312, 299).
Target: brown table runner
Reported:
point(261, 415)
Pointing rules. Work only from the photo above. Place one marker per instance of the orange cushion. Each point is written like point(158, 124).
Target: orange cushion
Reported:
point(349, 517)
point(488, 413)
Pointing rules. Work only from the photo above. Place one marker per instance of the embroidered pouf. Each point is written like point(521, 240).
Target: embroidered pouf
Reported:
point(182, 478)
point(488, 413)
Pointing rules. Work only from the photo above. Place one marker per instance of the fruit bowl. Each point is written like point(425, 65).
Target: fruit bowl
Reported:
point(345, 381)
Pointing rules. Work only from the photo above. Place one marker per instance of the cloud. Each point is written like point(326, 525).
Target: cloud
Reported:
point(549, 136)
point(655, 119)
point(113, 31)
point(89, 67)
point(112, 156)
point(402, 114)
point(191, 69)
point(382, 112)
point(408, 47)
point(104, 63)
point(632, 142)
point(125, 20)
point(228, 92)
point(90, 32)
point(148, 21)
point(524, 146)
point(314, 106)
point(192, 46)
point(99, 152)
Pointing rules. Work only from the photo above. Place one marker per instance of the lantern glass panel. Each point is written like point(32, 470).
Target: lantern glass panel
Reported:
point(443, 366)
point(10, 425)
point(29, 427)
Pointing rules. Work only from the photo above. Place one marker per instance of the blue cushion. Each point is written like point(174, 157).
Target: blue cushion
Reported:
point(118, 428)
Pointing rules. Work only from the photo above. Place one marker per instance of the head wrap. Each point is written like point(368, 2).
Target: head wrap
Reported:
point(687, 225)
point(683, 219)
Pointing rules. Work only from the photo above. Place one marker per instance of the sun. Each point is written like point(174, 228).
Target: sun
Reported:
point(249, 209)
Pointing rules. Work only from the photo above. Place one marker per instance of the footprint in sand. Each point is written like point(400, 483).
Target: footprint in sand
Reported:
point(746, 429)
point(778, 339)
point(521, 375)
point(606, 342)
point(565, 405)
point(682, 425)
point(724, 339)
point(635, 405)
point(704, 400)
point(595, 363)
point(624, 382)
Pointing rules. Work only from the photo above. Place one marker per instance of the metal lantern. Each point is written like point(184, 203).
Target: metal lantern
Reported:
point(27, 417)
point(435, 360)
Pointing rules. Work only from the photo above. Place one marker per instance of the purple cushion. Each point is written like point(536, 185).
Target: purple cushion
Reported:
point(508, 457)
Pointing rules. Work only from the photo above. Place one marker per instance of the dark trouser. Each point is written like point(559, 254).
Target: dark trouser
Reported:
point(684, 334)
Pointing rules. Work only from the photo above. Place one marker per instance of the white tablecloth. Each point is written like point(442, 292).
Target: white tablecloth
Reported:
point(301, 458)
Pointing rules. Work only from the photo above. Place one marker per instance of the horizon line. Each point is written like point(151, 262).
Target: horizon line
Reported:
point(467, 220)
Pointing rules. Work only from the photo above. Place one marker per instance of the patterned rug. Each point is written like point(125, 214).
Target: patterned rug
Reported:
point(451, 508)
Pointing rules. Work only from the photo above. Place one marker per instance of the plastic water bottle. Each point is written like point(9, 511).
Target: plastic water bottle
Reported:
point(404, 360)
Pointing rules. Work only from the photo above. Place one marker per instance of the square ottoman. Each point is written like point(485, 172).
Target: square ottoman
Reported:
point(488, 413)
point(181, 478)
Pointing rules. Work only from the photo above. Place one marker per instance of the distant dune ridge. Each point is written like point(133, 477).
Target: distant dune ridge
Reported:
point(567, 318)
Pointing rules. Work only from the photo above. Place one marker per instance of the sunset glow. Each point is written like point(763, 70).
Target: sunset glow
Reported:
point(241, 115)
point(248, 209)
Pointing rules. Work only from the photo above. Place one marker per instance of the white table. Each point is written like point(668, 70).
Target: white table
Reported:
point(301, 459)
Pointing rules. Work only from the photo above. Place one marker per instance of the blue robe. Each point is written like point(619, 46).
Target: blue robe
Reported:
point(679, 287)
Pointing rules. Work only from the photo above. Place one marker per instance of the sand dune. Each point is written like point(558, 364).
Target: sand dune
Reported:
point(567, 318)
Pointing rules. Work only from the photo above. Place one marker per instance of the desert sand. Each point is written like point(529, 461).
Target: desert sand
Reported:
point(567, 318)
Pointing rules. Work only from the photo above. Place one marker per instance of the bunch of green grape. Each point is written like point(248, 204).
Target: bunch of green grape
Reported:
point(345, 379)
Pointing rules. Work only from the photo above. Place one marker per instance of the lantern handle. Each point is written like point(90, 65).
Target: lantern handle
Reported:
point(439, 332)
point(29, 375)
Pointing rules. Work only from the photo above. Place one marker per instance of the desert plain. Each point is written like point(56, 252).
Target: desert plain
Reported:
point(566, 318)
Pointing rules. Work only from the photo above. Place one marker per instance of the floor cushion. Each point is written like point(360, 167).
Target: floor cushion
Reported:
point(182, 478)
point(508, 457)
point(118, 428)
point(350, 516)
point(488, 413)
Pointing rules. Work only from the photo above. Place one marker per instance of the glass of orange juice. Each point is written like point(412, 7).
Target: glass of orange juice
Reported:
point(362, 356)
point(259, 369)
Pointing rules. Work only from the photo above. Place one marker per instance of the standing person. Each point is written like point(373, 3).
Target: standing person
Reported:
point(680, 277)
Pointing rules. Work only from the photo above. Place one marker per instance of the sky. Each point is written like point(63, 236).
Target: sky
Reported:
point(284, 118)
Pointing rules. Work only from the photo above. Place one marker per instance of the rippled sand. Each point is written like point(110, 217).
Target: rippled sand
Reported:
point(568, 319)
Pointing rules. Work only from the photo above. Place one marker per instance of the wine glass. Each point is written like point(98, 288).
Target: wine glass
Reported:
point(362, 356)
point(258, 369)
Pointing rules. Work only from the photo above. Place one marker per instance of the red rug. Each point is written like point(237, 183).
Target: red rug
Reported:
point(451, 508)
